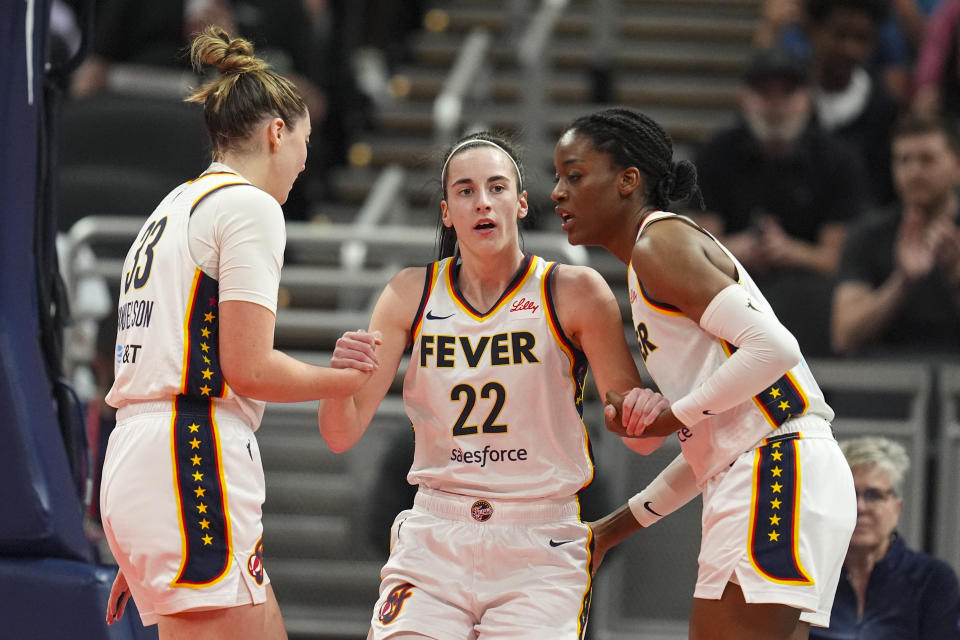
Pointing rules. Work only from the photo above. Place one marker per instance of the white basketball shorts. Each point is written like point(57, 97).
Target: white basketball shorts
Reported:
point(779, 520)
point(462, 567)
point(181, 499)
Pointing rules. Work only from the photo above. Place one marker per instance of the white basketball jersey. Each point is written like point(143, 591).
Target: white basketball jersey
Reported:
point(167, 326)
point(495, 398)
point(680, 355)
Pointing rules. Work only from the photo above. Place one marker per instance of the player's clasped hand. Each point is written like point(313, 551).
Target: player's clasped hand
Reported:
point(356, 350)
point(629, 415)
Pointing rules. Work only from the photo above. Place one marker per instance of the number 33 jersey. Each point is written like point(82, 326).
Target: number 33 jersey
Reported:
point(495, 398)
point(212, 239)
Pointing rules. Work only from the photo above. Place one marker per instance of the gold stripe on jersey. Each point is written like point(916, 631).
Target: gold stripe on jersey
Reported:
point(201, 493)
point(578, 361)
point(577, 358)
point(774, 540)
point(463, 304)
point(212, 173)
point(781, 401)
point(430, 280)
point(213, 190)
point(665, 309)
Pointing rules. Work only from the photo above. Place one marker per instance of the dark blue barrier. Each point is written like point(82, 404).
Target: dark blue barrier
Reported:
point(53, 598)
point(38, 496)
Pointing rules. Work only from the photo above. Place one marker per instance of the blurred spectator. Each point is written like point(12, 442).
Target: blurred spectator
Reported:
point(899, 37)
point(899, 278)
point(888, 591)
point(849, 102)
point(937, 74)
point(779, 192)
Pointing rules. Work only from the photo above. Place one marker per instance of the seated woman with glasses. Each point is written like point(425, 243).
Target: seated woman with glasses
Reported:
point(888, 591)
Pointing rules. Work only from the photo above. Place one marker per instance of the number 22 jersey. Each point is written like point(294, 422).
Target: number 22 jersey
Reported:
point(495, 398)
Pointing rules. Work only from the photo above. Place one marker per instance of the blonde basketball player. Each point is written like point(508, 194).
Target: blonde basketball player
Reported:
point(778, 499)
point(493, 546)
point(182, 482)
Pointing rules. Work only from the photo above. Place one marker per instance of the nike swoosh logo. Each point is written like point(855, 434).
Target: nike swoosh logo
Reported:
point(707, 412)
point(646, 505)
point(557, 543)
point(430, 316)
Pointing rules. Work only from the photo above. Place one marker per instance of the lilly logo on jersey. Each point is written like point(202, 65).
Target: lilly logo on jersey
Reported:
point(524, 305)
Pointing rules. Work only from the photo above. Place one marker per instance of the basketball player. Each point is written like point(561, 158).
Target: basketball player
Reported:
point(778, 500)
point(183, 484)
point(493, 546)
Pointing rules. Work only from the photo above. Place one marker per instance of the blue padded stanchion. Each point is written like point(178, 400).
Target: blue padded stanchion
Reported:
point(54, 598)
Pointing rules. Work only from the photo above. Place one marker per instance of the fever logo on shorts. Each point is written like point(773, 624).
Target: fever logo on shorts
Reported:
point(255, 562)
point(481, 510)
point(392, 606)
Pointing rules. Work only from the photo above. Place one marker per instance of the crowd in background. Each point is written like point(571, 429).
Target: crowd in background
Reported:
point(837, 185)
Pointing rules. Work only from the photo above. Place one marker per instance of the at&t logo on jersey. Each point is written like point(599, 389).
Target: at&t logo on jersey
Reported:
point(392, 606)
point(127, 353)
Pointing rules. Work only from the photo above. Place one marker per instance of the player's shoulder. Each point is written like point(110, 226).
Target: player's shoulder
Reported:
point(580, 281)
point(247, 195)
point(409, 280)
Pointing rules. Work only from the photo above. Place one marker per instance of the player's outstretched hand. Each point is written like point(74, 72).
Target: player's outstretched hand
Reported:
point(119, 594)
point(356, 350)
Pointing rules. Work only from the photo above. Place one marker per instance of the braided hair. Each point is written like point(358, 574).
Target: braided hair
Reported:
point(447, 236)
point(633, 139)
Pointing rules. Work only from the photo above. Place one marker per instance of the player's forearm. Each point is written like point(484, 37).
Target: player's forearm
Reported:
point(612, 529)
point(279, 378)
point(341, 423)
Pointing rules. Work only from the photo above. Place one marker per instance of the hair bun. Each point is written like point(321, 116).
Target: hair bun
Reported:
point(684, 175)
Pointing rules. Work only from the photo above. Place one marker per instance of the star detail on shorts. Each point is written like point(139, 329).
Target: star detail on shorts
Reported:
point(204, 524)
point(774, 520)
point(777, 487)
point(775, 503)
point(196, 460)
point(774, 536)
point(194, 444)
point(197, 476)
point(201, 508)
point(193, 427)
point(207, 539)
